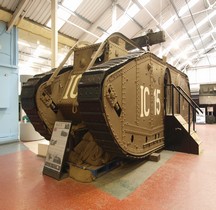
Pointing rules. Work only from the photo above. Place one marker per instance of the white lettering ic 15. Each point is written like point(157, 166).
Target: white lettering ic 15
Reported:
point(71, 88)
point(145, 99)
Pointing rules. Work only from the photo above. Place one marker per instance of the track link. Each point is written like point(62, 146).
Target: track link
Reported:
point(90, 103)
point(29, 90)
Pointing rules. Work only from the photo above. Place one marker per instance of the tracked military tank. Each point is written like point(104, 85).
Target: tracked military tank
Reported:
point(115, 90)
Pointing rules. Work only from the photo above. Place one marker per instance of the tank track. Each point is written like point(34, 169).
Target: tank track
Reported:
point(91, 103)
point(28, 101)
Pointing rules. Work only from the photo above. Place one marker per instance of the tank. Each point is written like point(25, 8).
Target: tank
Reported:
point(117, 91)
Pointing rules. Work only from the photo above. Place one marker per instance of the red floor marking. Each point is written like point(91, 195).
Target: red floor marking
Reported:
point(184, 182)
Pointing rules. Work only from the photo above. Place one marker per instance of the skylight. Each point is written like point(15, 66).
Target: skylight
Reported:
point(182, 11)
point(133, 10)
point(193, 29)
point(185, 8)
point(118, 24)
point(122, 21)
point(202, 22)
point(143, 2)
point(169, 22)
point(63, 14)
point(72, 5)
point(208, 47)
point(204, 37)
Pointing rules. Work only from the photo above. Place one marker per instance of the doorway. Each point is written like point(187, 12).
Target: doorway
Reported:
point(167, 93)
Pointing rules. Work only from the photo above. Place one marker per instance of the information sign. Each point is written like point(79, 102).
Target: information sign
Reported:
point(55, 159)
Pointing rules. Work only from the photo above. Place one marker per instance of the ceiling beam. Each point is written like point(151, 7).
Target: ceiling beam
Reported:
point(132, 19)
point(199, 34)
point(184, 26)
point(36, 29)
point(16, 14)
point(97, 22)
point(54, 39)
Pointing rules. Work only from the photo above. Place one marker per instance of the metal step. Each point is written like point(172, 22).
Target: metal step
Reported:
point(178, 138)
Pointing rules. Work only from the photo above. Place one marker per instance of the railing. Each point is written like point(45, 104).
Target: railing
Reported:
point(191, 104)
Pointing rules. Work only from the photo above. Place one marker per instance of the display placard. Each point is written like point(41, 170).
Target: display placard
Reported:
point(200, 117)
point(55, 158)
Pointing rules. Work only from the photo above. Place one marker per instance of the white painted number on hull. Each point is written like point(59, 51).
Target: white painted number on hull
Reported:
point(157, 104)
point(144, 94)
point(145, 97)
point(70, 91)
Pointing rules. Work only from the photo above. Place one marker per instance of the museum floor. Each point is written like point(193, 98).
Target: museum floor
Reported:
point(178, 181)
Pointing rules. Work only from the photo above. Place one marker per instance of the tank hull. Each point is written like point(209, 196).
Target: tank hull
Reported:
point(121, 102)
point(123, 106)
